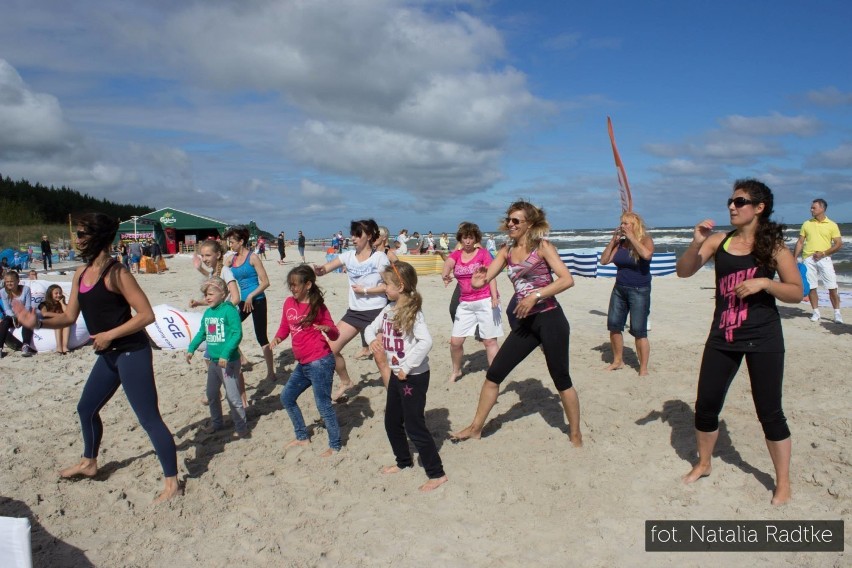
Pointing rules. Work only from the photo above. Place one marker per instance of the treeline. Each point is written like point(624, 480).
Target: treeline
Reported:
point(22, 203)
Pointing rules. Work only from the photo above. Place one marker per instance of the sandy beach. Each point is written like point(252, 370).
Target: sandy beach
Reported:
point(519, 496)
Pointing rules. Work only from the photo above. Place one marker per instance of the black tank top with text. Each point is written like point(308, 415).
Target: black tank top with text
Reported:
point(104, 310)
point(750, 324)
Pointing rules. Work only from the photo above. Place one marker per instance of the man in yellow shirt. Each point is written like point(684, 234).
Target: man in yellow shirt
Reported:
point(818, 240)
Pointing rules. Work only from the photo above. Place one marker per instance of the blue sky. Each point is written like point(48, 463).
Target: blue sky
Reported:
point(307, 114)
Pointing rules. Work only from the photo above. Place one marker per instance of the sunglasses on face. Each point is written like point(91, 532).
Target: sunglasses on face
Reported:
point(739, 202)
point(82, 234)
point(514, 221)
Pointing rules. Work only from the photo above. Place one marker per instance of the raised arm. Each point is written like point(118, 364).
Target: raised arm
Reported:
point(701, 249)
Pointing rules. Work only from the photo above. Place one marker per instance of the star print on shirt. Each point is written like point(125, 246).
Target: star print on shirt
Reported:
point(407, 390)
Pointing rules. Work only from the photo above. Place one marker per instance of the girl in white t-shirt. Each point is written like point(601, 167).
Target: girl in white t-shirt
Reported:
point(364, 266)
point(402, 242)
point(210, 261)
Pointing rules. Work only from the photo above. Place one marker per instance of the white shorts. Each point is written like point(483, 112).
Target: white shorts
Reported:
point(822, 269)
point(478, 313)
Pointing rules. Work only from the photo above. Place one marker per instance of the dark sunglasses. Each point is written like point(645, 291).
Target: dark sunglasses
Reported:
point(740, 202)
point(81, 234)
point(514, 221)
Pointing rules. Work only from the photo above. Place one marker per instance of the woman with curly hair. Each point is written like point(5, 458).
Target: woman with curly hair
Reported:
point(539, 319)
point(746, 323)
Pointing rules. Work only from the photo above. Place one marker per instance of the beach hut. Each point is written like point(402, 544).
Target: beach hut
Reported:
point(182, 229)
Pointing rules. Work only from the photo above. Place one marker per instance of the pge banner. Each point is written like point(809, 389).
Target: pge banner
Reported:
point(173, 328)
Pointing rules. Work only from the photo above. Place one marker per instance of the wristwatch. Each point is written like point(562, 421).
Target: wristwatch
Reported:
point(538, 295)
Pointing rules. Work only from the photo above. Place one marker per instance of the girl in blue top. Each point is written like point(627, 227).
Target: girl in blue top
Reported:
point(14, 290)
point(251, 276)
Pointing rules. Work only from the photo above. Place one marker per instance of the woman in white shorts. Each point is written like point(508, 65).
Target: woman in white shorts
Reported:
point(477, 307)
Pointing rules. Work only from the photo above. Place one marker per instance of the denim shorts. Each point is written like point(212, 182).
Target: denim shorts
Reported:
point(628, 300)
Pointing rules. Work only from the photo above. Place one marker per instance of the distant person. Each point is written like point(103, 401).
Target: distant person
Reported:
point(135, 250)
point(444, 243)
point(402, 242)
point(746, 323)
point(818, 240)
point(282, 243)
point(301, 246)
point(631, 249)
point(491, 246)
point(16, 261)
point(32, 274)
point(261, 248)
point(14, 291)
point(116, 311)
point(418, 241)
point(46, 253)
point(339, 242)
point(156, 255)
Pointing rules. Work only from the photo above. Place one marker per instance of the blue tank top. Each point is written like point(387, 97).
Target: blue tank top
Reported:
point(630, 272)
point(246, 277)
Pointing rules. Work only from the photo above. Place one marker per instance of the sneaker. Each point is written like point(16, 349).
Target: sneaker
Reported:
point(837, 317)
point(815, 316)
point(27, 351)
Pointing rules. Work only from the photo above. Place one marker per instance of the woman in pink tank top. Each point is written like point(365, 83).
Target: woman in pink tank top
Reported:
point(532, 262)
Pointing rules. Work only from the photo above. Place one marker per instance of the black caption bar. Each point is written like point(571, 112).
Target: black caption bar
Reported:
point(744, 536)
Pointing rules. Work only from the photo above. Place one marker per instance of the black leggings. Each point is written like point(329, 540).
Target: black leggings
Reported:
point(766, 372)
point(549, 329)
point(258, 318)
point(405, 412)
point(134, 371)
point(7, 324)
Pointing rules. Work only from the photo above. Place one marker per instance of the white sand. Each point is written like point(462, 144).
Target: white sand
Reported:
point(520, 496)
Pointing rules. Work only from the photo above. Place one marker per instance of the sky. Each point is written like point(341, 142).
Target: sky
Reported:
point(307, 114)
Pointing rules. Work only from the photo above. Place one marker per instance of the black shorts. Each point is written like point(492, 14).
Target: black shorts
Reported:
point(360, 319)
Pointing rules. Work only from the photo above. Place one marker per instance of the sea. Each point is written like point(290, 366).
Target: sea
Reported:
point(677, 239)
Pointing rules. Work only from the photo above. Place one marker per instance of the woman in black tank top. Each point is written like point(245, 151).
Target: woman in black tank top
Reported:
point(105, 291)
point(746, 323)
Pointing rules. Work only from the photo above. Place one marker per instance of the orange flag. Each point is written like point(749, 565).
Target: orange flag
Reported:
point(623, 185)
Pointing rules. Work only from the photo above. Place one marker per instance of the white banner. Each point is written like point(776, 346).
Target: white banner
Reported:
point(45, 339)
point(173, 328)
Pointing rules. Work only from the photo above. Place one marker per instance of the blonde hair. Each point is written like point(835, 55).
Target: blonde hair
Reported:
point(217, 246)
point(639, 230)
point(215, 282)
point(537, 225)
point(404, 277)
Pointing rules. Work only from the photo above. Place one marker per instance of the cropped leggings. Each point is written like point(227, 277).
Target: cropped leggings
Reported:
point(549, 329)
point(766, 372)
point(258, 318)
point(134, 371)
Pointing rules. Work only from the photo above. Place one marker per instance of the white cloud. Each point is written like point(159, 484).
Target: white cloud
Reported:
point(772, 125)
point(829, 96)
point(840, 157)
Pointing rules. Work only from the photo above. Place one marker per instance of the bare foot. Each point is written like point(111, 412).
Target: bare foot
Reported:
point(469, 433)
point(328, 453)
point(389, 469)
point(433, 484)
point(363, 354)
point(170, 491)
point(342, 390)
point(295, 443)
point(204, 401)
point(85, 468)
point(782, 494)
point(454, 376)
point(576, 440)
point(643, 372)
point(614, 366)
point(698, 471)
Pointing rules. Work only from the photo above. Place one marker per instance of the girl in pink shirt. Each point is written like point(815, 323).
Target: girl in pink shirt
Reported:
point(306, 319)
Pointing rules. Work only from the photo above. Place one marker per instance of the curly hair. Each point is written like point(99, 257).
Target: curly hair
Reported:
point(537, 225)
point(316, 299)
point(100, 232)
point(467, 229)
point(404, 276)
point(769, 236)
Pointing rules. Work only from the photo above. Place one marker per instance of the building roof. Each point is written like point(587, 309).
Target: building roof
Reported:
point(170, 217)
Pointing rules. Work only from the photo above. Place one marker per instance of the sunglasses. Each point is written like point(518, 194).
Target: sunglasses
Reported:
point(740, 202)
point(82, 234)
point(514, 221)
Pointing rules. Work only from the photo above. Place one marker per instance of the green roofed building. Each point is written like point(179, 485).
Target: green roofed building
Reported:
point(172, 228)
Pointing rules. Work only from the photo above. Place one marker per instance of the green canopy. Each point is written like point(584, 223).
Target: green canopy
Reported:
point(179, 220)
